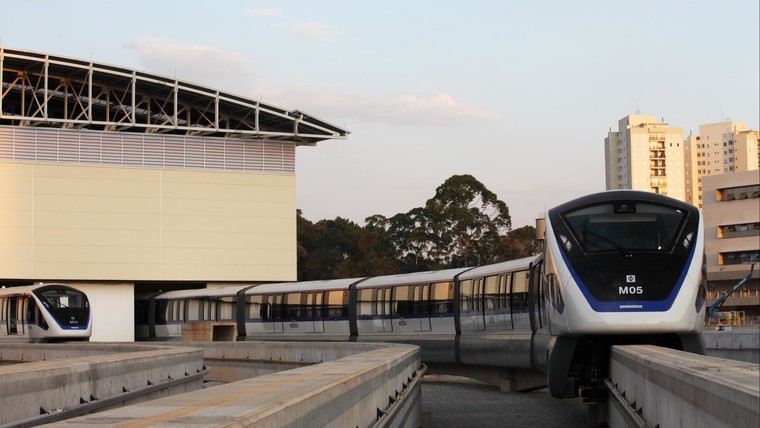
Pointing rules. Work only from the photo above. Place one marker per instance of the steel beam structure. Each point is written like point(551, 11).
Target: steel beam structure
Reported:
point(43, 90)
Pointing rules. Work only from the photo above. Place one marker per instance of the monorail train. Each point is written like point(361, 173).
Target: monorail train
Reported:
point(44, 313)
point(619, 267)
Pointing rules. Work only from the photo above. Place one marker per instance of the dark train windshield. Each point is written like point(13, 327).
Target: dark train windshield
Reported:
point(61, 298)
point(625, 227)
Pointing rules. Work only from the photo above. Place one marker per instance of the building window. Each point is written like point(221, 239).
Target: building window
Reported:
point(738, 257)
point(738, 193)
point(739, 230)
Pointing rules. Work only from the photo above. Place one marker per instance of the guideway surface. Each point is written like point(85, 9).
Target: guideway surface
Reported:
point(664, 387)
point(378, 385)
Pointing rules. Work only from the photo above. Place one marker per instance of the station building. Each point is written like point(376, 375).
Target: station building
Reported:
point(121, 182)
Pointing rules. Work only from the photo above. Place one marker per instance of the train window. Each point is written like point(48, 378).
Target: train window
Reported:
point(491, 293)
point(193, 310)
point(383, 302)
point(520, 291)
point(404, 300)
point(63, 298)
point(412, 300)
point(466, 295)
point(227, 308)
point(295, 306)
point(442, 298)
point(254, 307)
point(624, 227)
point(314, 305)
point(208, 311)
point(2, 312)
point(336, 304)
point(365, 299)
point(504, 289)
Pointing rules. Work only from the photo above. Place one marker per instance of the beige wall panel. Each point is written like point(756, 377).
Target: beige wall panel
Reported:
point(262, 225)
point(224, 208)
point(112, 223)
point(190, 272)
point(93, 238)
point(98, 204)
point(66, 271)
point(70, 218)
point(230, 240)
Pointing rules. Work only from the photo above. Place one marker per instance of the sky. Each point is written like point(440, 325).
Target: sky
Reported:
point(518, 94)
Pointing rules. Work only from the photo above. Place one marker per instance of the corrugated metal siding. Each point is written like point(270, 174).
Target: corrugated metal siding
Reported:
point(79, 147)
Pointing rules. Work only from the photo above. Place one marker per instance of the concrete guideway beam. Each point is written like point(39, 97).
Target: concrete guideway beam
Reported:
point(673, 388)
point(50, 379)
point(355, 385)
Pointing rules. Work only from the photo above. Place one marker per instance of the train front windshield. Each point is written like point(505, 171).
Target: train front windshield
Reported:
point(625, 227)
point(70, 307)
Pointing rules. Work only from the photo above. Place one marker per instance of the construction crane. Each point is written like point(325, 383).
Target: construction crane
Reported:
point(718, 303)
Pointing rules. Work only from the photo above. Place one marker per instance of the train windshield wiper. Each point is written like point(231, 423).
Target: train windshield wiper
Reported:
point(606, 240)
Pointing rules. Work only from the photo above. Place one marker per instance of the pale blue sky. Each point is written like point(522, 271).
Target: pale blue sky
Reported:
point(518, 94)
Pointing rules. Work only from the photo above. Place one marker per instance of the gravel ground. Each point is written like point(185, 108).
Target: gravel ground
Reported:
point(460, 402)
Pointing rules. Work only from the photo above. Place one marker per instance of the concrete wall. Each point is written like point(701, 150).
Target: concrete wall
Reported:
point(678, 389)
point(99, 223)
point(64, 376)
point(733, 345)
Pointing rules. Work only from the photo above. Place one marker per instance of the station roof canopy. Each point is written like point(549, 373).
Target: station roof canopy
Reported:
point(43, 90)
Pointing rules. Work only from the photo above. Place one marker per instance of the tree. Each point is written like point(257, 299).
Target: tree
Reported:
point(519, 243)
point(465, 222)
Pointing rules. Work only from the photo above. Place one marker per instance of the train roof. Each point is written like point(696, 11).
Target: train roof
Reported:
point(428, 277)
point(322, 285)
point(496, 268)
point(623, 195)
point(202, 292)
point(6, 291)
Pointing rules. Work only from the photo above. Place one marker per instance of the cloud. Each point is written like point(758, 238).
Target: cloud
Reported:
point(232, 72)
point(438, 109)
point(200, 64)
point(263, 12)
point(311, 30)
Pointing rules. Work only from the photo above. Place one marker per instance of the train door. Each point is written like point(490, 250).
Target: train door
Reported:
point(536, 297)
point(472, 316)
point(505, 282)
point(314, 302)
point(422, 297)
point(12, 316)
point(409, 314)
point(271, 313)
point(383, 309)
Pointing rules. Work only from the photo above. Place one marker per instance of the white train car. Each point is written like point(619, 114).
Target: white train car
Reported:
point(493, 315)
point(311, 310)
point(161, 317)
point(44, 313)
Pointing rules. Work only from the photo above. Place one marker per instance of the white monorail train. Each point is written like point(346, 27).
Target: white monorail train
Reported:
point(619, 267)
point(43, 313)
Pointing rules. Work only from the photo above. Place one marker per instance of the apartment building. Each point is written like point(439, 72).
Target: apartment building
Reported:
point(720, 148)
point(644, 154)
